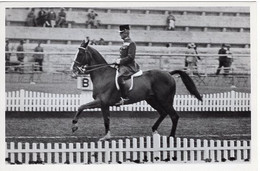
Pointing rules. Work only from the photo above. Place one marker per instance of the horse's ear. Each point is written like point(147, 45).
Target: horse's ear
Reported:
point(86, 42)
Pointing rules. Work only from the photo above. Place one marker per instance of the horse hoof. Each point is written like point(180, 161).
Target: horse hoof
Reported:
point(104, 138)
point(74, 128)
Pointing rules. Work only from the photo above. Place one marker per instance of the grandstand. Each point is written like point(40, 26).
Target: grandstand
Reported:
point(208, 27)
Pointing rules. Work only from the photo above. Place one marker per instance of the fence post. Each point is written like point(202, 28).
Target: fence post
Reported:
point(22, 100)
point(233, 98)
point(156, 146)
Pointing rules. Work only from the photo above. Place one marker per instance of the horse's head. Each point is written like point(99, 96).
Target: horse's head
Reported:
point(80, 59)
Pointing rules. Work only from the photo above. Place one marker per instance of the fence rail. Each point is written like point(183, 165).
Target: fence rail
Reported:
point(155, 149)
point(37, 101)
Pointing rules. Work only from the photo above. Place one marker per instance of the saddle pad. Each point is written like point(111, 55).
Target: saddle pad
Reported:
point(139, 73)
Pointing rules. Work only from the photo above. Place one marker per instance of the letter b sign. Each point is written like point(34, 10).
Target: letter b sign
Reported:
point(85, 82)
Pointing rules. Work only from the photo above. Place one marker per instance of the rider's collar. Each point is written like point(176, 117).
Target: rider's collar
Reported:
point(127, 39)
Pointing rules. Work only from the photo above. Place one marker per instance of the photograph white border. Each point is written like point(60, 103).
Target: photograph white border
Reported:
point(252, 166)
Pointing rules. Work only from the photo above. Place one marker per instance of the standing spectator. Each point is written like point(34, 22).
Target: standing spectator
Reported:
point(7, 55)
point(171, 21)
point(229, 58)
point(223, 60)
point(20, 56)
point(38, 57)
point(92, 19)
point(41, 19)
point(192, 58)
point(51, 17)
point(31, 19)
point(61, 18)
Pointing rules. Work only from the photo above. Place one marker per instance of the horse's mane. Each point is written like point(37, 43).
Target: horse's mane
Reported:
point(98, 57)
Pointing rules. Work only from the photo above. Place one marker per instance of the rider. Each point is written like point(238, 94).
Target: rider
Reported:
point(126, 63)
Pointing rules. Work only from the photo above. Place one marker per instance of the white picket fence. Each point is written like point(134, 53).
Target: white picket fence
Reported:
point(37, 101)
point(155, 149)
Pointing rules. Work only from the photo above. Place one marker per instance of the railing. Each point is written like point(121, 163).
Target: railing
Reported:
point(155, 149)
point(165, 61)
point(37, 101)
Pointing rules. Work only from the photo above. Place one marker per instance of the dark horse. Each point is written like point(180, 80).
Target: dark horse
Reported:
point(156, 87)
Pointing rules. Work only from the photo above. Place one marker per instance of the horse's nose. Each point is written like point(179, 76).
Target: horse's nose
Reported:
point(73, 75)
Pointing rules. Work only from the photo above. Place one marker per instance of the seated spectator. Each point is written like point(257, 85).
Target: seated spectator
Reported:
point(92, 21)
point(51, 18)
point(41, 19)
point(61, 18)
point(7, 55)
point(38, 57)
point(93, 42)
point(101, 42)
point(31, 19)
point(170, 21)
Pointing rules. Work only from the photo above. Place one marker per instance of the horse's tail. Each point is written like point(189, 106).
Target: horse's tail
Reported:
point(188, 82)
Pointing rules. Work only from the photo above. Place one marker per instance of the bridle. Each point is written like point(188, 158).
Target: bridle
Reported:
point(83, 69)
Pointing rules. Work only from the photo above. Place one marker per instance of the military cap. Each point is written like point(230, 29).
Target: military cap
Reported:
point(122, 28)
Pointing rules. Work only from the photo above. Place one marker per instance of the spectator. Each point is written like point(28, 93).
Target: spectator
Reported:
point(61, 18)
point(38, 57)
point(7, 55)
point(41, 19)
point(20, 56)
point(223, 59)
point(229, 58)
point(92, 19)
point(31, 19)
point(191, 59)
point(101, 41)
point(171, 21)
point(51, 18)
point(93, 42)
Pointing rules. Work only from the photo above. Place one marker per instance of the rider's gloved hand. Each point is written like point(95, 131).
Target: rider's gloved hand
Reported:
point(117, 61)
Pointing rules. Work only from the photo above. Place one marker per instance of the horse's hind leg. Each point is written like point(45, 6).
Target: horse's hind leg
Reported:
point(156, 105)
point(174, 117)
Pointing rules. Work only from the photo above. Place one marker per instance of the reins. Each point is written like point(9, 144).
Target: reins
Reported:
point(95, 67)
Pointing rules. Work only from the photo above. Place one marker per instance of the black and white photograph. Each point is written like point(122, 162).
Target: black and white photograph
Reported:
point(116, 83)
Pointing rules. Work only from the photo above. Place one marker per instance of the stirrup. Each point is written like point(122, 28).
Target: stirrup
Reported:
point(122, 101)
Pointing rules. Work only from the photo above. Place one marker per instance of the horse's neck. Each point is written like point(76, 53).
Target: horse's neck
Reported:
point(103, 75)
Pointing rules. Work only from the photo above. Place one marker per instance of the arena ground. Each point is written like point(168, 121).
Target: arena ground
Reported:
point(56, 127)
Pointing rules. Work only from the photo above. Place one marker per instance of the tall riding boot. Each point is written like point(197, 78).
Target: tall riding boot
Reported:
point(123, 91)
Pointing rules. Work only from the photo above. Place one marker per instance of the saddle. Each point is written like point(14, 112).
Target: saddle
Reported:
point(129, 83)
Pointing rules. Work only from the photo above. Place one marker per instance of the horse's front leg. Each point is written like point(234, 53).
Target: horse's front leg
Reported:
point(90, 105)
point(106, 116)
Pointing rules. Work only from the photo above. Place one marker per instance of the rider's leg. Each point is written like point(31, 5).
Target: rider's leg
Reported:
point(123, 91)
point(121, 82)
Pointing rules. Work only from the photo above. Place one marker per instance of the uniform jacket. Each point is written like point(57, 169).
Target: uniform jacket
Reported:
point(127, 55)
